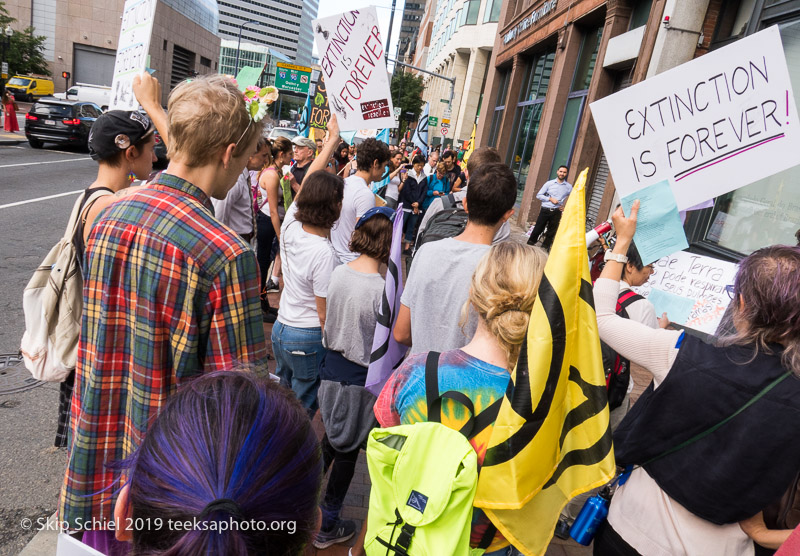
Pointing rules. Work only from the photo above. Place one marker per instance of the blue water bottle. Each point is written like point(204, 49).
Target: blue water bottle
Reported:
point(593, 513)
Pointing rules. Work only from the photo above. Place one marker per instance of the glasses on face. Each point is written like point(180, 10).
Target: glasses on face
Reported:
point(730, 290)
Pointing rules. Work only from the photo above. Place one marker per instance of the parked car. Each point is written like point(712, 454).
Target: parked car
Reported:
point(52, 120)
point(84, 92)
point(27, 88)
point(288, 132)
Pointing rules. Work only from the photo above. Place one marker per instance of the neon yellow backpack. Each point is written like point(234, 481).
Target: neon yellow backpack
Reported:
point(424, 478)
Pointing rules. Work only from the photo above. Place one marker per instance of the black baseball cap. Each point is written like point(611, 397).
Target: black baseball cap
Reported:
point(116, 130)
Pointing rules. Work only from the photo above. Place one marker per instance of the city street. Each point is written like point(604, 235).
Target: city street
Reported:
point(38, 188)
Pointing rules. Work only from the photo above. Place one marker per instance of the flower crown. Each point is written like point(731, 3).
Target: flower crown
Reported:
point(257, 100)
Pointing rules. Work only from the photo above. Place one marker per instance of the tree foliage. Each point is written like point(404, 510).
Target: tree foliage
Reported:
point(26, 50)
point(407, 90)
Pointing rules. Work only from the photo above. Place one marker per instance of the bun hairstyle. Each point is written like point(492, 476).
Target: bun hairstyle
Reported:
point(503, 291)
point(229, 449)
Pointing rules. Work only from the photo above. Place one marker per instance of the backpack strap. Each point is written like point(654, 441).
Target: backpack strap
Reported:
point(475, 423)
point(449, 201)
point(487, 537)
point(624, 300)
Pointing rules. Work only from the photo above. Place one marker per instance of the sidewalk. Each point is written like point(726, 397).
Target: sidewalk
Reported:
point(10, 139)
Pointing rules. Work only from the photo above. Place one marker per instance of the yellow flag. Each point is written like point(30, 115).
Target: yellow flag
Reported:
point(471, 148)
point(551, 440)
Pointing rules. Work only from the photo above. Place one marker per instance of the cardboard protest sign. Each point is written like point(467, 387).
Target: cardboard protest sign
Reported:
point(697, 278)
point(709, 126)
point(354, 67)
point(320, 113)
point(132, 49)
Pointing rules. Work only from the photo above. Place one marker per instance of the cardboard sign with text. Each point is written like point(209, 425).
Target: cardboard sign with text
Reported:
point(709, 126)
point(697, 278)
point(353, 65)
point(132, 49)
point(320, 113)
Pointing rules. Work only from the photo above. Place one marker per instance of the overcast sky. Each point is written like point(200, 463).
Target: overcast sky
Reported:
point(384, 9)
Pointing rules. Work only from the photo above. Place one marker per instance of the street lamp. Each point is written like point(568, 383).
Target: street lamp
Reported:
point(239, 44)
point(6, 43)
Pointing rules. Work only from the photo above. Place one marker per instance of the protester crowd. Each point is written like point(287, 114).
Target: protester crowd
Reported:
point(171, 414)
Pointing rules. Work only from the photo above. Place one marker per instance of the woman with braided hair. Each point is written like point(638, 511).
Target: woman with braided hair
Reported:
point(502, 293)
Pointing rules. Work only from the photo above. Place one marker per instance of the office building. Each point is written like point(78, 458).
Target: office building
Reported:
point(282, 25)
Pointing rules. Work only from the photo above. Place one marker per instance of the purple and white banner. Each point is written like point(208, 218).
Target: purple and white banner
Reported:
point(387, 353)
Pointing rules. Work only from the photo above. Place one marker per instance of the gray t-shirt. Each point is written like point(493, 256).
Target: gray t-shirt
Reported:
point(354, 299)
point(436, 291)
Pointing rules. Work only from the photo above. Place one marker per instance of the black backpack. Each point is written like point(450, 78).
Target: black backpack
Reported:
point(616, 367)
point(449, 222)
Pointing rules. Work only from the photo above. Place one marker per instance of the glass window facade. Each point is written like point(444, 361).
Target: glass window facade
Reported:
point(579, 90)
point(500, 106)
point(492, 12)
point(528, 115)
point(203, 12)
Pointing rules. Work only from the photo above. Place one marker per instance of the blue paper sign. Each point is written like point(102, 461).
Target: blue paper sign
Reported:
point(659, 231)
point(677, 308)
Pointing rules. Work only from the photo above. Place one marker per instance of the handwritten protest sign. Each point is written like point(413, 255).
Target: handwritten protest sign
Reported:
point(320, 113)
point(132, 49)
point(698, 278)
point(353, 64)
point(709, 126)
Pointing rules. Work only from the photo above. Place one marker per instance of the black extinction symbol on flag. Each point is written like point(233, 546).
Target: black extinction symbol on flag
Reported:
point(519, 395)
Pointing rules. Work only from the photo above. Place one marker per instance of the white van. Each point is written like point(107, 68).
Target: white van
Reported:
point(85, 92)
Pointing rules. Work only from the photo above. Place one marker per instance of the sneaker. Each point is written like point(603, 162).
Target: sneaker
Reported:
point(342, 531)
point(271, 287)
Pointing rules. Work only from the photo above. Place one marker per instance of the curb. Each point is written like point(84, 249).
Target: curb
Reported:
point(11, 142)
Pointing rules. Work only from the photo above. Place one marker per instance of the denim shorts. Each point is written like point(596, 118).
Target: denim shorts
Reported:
point(298, 353)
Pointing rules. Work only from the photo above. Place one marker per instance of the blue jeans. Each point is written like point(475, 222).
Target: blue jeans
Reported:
point(299, 352)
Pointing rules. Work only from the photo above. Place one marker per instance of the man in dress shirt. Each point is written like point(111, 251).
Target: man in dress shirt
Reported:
point(553, 195)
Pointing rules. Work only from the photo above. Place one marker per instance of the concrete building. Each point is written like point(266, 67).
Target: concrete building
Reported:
point(552, 59)
point(283, 25)
point(82, 38)
point(456, 38)
point(409, 30)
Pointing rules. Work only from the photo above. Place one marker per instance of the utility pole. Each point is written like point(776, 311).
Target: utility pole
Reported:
point(391, 23)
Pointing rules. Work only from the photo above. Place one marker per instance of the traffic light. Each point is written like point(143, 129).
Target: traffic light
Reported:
point(65, 74)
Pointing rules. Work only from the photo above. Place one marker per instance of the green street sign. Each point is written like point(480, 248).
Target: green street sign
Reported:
point(293, 78)
point(433, 121)
point(444, 100)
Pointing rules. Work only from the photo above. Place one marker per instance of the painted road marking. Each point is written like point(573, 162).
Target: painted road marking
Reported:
point(9, 205)
point(45, 162)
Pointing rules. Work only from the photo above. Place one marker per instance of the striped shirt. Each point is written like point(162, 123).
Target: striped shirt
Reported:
point(169, 293)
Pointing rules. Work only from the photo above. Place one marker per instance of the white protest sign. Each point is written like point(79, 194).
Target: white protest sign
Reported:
point(709, 126)
point(132, 49)
point(353, 64)
point(698, 278)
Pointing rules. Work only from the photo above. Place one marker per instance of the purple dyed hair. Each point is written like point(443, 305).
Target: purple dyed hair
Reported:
point(768, 282)
point(228, 435)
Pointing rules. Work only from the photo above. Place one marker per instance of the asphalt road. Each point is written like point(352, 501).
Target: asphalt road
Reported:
point(31, 470)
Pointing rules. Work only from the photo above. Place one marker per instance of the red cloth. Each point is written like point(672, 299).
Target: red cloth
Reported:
point(11, 118)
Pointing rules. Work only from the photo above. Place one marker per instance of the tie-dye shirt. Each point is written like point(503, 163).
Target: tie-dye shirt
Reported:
point(403, 402)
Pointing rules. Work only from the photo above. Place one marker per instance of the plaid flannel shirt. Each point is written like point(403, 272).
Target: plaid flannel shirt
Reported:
point(169, 293)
